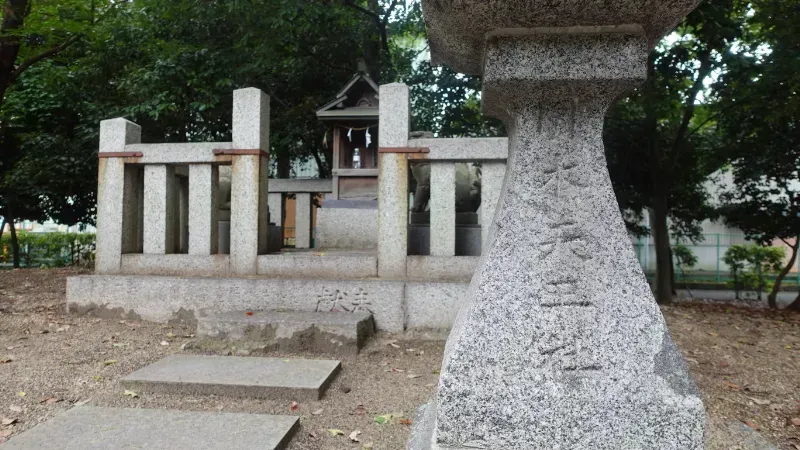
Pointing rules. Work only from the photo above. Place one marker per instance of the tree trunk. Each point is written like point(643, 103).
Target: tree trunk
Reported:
point(772, 299)
point(284, 166)
point(14, 241)
point(661, 241)
point(14, 12)
point(2, 229)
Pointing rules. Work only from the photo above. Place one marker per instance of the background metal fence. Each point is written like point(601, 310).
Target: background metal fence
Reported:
point(710, 266)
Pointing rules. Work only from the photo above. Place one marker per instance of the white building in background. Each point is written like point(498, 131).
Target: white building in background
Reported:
point(718, 236)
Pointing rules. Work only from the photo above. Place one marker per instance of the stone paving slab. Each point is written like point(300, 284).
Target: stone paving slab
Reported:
point(291, 331)
point(94, 428)
point(233, 376)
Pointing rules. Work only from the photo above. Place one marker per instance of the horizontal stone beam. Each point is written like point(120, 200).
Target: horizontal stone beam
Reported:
point(179, 153)
point(293, 185)
point(464, 149)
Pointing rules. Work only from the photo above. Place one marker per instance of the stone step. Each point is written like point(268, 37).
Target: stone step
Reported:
point(94, 428)
point(235, 376)
point(291, 331)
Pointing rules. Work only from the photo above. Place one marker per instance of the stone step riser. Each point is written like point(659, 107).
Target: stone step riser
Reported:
point(337, 333)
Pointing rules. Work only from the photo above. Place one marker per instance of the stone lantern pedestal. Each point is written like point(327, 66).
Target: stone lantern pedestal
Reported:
point(560, 344)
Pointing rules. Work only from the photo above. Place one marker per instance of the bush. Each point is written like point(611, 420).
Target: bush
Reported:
point(750, 265)
point(49, 249)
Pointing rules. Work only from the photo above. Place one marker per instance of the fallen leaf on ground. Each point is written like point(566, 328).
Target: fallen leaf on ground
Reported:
point(724, 364)
point(109, 362)
point(354, 436)
point(733, 386)
point(7, 421)
point(796, 421)
point(248, 313)
point(435, 371)
point(759, 402)
point(50, 400)
point(164, 343)
point(312, 435)
point(751, 425)
point(6, 359)
point(411, 375)
point(392, 343)
point(386, 418)
point(170, 335)
point(293, 407)
point(82, 402)
point(130, 394)
point(121, 344)
point(394, 369)
point(317, 412)
point(405, 421)
point(367, 446)
point(15, 408)
point(335, 432)
point(21, 394)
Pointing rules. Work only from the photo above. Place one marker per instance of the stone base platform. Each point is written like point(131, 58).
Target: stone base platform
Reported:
point(396, 305)
point(233, 376)
point(93, 428)
point(290, 331)
point(322, 263)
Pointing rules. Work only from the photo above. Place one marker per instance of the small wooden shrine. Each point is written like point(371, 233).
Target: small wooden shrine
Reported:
point(352, 119)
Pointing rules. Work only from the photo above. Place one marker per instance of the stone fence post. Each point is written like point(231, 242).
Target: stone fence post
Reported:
point(249, 179)
point(393, 181)
point(117, 197)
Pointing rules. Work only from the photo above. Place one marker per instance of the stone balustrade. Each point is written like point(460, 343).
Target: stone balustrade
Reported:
point(159, 208)
point(152, 212)
point(396, 152)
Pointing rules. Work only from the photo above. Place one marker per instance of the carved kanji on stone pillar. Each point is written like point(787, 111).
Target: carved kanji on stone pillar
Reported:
point(560, 343)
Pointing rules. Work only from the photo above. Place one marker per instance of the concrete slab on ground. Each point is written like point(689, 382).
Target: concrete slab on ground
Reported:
point(291, 331)
point(94, 428)
point(234, 376)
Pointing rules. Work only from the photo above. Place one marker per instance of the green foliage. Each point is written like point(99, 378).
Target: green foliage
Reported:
point(684, 256)
point(750, 266)
point(50, 249)
point(659, 140)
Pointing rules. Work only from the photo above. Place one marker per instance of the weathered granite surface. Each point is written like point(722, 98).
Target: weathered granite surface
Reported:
point(560, 343)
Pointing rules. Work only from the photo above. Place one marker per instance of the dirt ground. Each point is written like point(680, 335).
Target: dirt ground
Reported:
point(745, 361)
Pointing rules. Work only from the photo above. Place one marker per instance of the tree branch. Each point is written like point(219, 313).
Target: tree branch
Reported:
point(363, 10)
point(41, 56)
point(389, 11)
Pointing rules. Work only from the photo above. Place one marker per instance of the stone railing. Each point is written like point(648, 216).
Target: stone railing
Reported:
point(304, 190)
point(139, 224)
point(396, 153)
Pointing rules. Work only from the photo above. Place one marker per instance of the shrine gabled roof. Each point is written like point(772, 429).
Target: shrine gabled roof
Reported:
point(352, 92)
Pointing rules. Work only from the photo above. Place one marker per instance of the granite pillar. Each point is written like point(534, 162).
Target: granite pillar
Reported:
point(116, 196)
point(203, 207)
point(302, 221)
point(492, 175)
point(277, 208)
point(443, 208)
point(249, 185)
point(160, 209)
point(393, 181)
point(559, 343)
